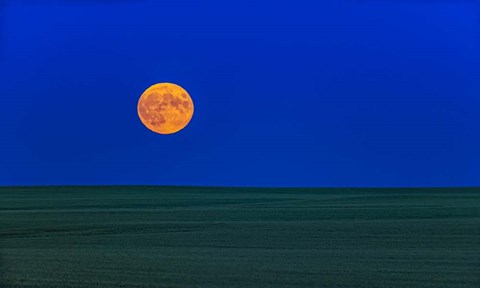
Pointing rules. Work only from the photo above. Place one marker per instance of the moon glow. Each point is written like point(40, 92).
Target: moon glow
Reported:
point(165, 108)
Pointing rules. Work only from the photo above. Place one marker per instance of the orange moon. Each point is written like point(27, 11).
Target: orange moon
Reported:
point(165, 108)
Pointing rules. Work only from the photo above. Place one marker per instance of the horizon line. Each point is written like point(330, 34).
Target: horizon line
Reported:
point(239, 187)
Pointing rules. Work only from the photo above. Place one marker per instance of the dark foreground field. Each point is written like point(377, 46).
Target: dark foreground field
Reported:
point(231, 237)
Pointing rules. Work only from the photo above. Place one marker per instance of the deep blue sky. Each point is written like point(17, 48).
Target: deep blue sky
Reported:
point(318, 93)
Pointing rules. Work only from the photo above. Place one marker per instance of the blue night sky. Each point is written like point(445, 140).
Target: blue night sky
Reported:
point(319, 93)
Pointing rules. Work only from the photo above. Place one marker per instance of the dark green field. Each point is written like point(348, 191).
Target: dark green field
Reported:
point(235, 237)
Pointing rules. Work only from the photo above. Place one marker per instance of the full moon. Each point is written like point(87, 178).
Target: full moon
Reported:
point(165, 108)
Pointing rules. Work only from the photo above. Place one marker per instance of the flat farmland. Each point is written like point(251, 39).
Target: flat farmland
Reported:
point(127, 236)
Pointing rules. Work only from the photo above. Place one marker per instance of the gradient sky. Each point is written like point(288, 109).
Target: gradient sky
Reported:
point(318, 93)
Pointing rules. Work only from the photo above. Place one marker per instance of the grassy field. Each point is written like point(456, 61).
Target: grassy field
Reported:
point(237, 237)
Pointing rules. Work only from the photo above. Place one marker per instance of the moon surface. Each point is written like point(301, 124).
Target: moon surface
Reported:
point(165, 108)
